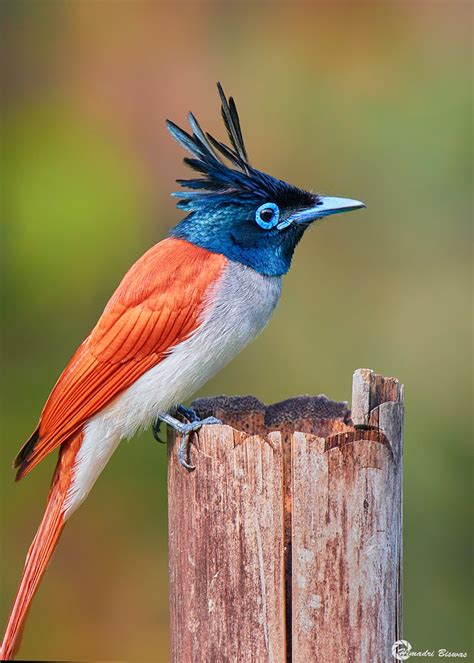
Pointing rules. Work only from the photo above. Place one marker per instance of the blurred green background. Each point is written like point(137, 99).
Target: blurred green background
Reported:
point(368, 101)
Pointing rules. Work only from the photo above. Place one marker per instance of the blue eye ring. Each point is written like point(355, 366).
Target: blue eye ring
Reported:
point(267, 215)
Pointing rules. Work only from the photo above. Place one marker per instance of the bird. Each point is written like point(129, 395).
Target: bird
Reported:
point(187, 307)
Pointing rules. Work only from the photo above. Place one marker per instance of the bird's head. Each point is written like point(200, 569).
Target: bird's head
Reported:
point(238, 211)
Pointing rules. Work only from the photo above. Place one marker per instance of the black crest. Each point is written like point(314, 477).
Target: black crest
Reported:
point(226, 170)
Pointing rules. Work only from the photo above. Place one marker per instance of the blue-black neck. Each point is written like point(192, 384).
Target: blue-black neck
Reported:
point(267, 252)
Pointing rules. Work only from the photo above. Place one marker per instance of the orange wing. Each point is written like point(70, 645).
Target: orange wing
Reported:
point(157, 305)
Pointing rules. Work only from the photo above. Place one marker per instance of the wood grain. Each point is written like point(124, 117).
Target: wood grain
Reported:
point(285, 543)
point(344, 537)
point(227, 595)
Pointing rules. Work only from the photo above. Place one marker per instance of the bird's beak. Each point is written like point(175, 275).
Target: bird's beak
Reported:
point(327, 205)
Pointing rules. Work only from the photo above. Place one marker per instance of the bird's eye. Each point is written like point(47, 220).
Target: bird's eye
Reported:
point(267, 215)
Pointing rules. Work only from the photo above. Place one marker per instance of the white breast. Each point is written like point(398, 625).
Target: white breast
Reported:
point(239, 307)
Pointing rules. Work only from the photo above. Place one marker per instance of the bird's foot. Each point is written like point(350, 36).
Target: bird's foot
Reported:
point(188, 413)
point(183, 429)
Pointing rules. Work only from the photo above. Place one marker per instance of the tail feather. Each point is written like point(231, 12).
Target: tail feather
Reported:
point(26, 449)
point(42, 548)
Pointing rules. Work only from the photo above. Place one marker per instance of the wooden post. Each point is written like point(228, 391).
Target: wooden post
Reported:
point(285, 543)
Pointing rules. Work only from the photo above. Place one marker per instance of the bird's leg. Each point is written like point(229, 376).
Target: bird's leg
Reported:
point(188, 413)
point(183, 429)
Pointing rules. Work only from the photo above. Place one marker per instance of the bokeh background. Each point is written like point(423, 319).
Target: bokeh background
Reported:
point(369, 101)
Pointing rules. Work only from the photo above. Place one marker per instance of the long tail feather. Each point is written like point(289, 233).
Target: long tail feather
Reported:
point(42, 548)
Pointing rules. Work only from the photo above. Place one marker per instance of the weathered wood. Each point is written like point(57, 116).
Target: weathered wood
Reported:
point(226, 550)
point(285, 543)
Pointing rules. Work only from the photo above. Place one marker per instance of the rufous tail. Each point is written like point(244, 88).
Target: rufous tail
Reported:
point(42, 548)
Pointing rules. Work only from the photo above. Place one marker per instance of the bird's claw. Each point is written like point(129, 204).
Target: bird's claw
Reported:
point(156, 431)
point(186, 412)
point(183, 429)
point(183, 451)
point(186, 431)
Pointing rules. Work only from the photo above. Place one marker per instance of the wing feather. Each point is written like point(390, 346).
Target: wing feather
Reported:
point(157, 306)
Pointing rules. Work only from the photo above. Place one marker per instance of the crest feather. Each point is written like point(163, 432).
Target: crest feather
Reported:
point(232, 124)
point(225, 169)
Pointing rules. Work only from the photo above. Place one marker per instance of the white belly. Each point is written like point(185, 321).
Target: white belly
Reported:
point(242, 304)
